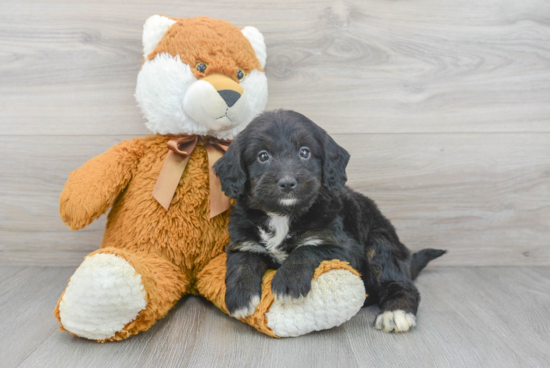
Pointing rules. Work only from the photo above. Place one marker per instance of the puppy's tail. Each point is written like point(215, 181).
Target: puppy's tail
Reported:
point(421, 258)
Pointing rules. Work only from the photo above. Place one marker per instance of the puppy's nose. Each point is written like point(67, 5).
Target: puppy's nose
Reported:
point(230, 97)
point(287, 184)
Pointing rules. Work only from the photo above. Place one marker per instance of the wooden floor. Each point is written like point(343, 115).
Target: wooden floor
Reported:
point(469, 317)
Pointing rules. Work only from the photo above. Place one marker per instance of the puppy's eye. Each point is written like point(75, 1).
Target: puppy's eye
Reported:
point(240, 74)
point(263, 156)
point(201, 67)
point(304, 152)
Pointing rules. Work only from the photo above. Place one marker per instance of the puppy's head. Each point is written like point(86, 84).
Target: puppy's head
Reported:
point(280, 162)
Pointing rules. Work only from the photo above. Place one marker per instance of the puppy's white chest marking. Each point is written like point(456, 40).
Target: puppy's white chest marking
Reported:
point(278, 231)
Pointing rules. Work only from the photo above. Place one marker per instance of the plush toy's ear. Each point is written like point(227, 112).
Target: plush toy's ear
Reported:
point(154, 29)
point(256, 39)
point(231, 171)
point(335, 160)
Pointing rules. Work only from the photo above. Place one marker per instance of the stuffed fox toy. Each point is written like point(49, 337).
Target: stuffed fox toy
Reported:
point(202, 81)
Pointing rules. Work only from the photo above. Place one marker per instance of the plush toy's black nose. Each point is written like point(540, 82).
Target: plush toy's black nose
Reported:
point(230, 97)
point(287, 184)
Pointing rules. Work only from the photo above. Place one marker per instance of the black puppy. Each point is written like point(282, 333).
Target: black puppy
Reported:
point(293, 212)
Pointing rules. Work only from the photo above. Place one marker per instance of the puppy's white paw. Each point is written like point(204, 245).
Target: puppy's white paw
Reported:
point(397, 321)
point(282, 298)
point(247, 311)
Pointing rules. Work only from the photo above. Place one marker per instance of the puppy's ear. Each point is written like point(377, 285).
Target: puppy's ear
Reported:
point(335, 160)
point(230, 169)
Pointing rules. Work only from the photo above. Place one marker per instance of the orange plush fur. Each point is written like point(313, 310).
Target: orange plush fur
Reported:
point(223, 48)
point(168, 248)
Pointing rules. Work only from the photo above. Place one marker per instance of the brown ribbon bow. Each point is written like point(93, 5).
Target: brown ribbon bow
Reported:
point(174, 165)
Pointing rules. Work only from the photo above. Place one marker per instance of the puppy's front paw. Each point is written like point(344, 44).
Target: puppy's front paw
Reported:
point(241, 303)
point(291, 282)
point(397, 321)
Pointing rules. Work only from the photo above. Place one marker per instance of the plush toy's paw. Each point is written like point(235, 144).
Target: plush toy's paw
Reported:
point(78, 208)
point(291, 282)
point(397, 321)
point(104, 294)
point(335, 297)
point(241, 302)
point(72, 210)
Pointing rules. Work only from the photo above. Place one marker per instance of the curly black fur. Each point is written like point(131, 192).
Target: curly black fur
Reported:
point(294, 230)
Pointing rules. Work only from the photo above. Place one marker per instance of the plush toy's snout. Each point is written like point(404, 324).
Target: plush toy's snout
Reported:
point(229, 90)
point(215, 100)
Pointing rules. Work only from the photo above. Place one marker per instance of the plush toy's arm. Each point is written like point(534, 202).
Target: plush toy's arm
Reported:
point(92, 188)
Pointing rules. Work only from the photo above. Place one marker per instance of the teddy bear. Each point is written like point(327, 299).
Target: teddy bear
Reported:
point(201, 82)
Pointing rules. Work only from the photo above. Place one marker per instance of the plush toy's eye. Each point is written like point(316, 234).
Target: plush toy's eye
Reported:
point(240, 74)
point(263, 156)
point(304, 152)
point(201, 67)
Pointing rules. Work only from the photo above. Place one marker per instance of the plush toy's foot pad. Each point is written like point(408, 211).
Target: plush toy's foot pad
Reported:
point(397, 321)
point(104, 294)
point(335, 297)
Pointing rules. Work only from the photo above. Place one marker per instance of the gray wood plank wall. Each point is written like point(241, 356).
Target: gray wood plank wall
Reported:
point(444, 106)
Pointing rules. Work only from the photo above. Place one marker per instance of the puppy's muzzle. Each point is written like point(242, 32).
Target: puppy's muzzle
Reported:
point(287, 184)
point(229, 90)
